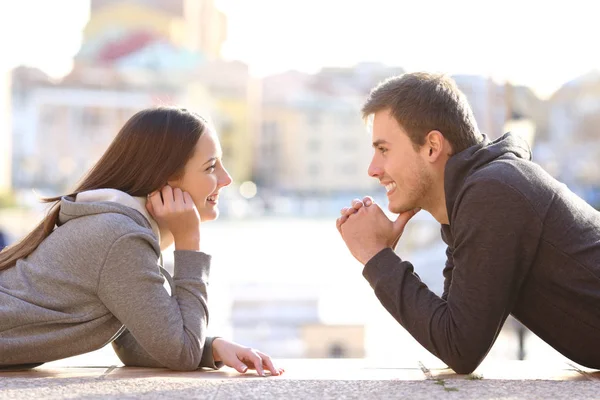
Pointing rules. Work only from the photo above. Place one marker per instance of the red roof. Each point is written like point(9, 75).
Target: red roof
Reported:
point(125, 45)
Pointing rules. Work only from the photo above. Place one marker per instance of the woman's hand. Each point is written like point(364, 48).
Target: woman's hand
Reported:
point(241, 358)
point(175, 210)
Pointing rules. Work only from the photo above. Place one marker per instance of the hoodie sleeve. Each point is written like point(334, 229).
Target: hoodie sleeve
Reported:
point(448, 272)
point(132, 354)
point(170, 329)
point(449, 267)
point(496, 234)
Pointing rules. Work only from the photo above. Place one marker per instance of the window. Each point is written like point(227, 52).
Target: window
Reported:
point(336, 350)
point(92, 117)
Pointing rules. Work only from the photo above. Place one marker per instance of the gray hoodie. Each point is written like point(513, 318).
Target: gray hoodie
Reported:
point(97, 278)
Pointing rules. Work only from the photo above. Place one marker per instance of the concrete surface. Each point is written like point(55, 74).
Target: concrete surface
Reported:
point(307, 379)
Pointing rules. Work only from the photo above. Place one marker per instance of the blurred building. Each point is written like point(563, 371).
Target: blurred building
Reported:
point(313, 141)
point(118, 27)
point(494, 105)
point(235, 111)
point(333, 341)
point(284, 321)
point(571, 149)
point(272, 317)
point(487, 100)
point(61, 129)
point(314, 145)
point(135, 54)
point(182, 38)
point(5, 132)
point(523, 104)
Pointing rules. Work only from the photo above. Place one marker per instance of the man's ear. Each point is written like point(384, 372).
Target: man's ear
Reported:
point(434, 145)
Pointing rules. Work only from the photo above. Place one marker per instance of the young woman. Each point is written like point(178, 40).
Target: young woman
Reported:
point(91, 274)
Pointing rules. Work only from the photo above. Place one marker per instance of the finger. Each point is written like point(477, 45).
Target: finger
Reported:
point(344, 210)
point(149, 205)
point(402, 220)
point(187, 199)
point(257, 361)
point(240, 367)
point(338, 224)
point(178, 198)
point(267, 362)
point(340, 221)
point(167, 195)
point(352, 211)
point(367, 201)
point(157, 203)
point(357, 204)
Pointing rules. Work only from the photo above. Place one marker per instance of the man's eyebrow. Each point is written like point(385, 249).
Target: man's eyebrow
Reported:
point(379, 142)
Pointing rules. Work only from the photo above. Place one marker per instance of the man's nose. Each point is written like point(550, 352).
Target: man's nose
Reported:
point(375, 170)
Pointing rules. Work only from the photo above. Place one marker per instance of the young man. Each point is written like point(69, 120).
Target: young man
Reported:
point(519, 242)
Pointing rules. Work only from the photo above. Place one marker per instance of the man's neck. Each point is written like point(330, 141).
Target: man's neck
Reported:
point(437, 207)
point(440, 213)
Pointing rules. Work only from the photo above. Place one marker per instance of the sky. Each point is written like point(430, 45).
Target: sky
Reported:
point(535, 43)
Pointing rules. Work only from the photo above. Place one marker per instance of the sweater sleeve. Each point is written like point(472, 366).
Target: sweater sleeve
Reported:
point(448, 273)
point(132, 354)
point(170, 329)
point(496, 234)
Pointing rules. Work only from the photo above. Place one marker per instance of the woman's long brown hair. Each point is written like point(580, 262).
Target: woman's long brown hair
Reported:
point(152, 147)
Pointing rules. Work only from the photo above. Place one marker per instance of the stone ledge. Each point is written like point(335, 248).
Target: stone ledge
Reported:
point(308, 378)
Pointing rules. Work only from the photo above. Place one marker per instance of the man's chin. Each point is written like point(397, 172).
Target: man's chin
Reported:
point(397, 209)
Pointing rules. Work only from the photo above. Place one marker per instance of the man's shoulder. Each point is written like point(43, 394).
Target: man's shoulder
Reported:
point(518, 175)
point(516, 183)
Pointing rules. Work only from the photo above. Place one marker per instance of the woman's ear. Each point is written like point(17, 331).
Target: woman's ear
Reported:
point(174, 181)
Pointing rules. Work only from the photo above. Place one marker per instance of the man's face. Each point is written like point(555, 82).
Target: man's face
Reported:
point(400, 167)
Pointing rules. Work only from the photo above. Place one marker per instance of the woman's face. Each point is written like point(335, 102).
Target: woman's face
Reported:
point(204, 175)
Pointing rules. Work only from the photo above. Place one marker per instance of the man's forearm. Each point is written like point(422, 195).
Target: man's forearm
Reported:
point(425, 315)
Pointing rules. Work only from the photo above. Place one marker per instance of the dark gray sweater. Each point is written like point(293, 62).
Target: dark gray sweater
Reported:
point(520, 243)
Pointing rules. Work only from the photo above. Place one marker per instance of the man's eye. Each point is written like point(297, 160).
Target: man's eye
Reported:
point(382, 150)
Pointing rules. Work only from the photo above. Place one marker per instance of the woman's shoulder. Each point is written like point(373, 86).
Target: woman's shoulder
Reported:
point(117, 223)
point(106, 227)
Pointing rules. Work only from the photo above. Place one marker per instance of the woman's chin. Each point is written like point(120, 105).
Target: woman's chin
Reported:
point(209, 214)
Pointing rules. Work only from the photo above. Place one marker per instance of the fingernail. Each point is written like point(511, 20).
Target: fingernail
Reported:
point(244, 369)
point(368, 203)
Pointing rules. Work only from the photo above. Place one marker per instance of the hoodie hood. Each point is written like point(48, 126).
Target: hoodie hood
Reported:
point(101, 201)
point(464, 164)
